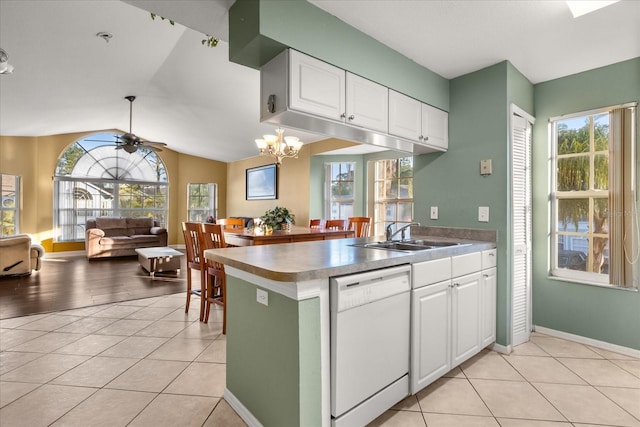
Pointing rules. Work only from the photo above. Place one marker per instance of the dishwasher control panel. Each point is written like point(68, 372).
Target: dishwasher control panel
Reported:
point(363, 288)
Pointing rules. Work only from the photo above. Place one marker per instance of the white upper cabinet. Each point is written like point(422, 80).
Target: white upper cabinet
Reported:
point(411, 119)
point(316, 87)
point(435, 127)
point(405, 116)
point(367, 103)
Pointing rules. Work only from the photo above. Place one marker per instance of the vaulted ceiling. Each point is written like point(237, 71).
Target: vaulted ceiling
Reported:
point(66, 79)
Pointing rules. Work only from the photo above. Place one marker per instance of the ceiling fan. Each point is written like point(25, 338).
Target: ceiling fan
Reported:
point(129, 142)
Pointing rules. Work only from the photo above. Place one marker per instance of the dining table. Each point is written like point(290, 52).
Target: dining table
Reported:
point(257, 236)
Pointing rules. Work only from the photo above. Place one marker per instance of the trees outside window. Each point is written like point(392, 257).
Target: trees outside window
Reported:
point(594, 236)
point(95, 178)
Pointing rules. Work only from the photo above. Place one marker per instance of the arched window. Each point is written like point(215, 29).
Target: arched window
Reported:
point(94, 177)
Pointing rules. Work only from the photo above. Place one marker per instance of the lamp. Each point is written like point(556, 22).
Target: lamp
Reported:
point(279, 146)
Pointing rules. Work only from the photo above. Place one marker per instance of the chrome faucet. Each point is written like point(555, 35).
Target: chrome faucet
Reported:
point(401, 230)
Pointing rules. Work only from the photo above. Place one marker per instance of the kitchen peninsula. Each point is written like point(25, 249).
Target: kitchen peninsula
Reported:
point(279, 323)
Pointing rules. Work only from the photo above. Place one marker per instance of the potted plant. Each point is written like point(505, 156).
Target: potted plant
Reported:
point(278, 218)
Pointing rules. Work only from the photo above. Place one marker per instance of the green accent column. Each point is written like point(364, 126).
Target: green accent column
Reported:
point(273, 355)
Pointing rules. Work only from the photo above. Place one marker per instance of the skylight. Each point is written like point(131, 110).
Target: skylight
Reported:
point(582, 7)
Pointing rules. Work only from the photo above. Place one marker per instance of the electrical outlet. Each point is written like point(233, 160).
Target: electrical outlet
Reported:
point(485, 167)
point(483, 214)
point(434, 212)
point(262, 296)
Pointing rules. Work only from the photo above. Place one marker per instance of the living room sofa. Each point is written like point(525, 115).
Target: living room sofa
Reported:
point(19, 256)
point(112, 237)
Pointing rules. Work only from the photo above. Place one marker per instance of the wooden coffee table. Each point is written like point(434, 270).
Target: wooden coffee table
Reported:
point(159, 259)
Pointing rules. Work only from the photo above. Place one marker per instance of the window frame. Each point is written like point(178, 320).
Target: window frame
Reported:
point(15, 209)
point(212, 206)
point(134, 172)
point(380, 224)
point(591, 194)
point(329, 199)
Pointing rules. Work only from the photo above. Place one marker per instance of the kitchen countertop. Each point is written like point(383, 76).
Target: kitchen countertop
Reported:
point(296, 262)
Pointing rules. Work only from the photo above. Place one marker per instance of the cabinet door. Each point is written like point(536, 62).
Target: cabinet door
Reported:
point(488, 293)
point(367, 103)
point(316, 87)
point(465, 303)
point(404, 116)
point(430, 331)
point(435, 127)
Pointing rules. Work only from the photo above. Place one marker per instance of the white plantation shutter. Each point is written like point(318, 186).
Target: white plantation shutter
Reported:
point(521, 229)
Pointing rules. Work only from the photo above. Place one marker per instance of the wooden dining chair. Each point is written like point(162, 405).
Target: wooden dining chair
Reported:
point(334, 224)
point(359, 224)
point(230, 223)
point(315, 223)
point(191, 232)
point(212, 237)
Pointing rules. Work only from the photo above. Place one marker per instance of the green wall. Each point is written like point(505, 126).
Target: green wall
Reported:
point(259, 29)
point(601, 313)
point(273, 356)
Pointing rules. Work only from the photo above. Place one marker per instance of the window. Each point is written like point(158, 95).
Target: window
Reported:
point(202, 201)
point(594, 235)
point(10, 205)
point(393, 193)
point(95, 178)
point(339, 190)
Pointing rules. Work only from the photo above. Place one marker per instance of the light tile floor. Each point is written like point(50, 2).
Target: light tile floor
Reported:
point(147, 363)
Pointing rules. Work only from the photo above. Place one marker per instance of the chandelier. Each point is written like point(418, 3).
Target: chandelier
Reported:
point(279, 146)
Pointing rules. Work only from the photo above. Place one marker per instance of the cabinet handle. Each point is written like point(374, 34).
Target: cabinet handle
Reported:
point(426, 138)
point(485, 276)
point(456, 285)
point(492, 254)
point(351, 117)
point(343, 115)
point(420, 137)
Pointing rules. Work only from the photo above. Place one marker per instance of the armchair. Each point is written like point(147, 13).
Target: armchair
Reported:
point(18, 256)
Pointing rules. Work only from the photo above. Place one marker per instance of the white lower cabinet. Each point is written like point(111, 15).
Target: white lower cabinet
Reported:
point(465, 315)
point(430, 334)
point(452, 320)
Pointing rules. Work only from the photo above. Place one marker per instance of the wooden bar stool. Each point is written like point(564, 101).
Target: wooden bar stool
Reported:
point(230, 223)
point(212, 237)
point(191, 231)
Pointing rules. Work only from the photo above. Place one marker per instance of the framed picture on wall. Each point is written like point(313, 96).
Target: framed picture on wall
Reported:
point(262, 182)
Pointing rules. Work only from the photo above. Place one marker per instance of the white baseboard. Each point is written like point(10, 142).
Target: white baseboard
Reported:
point(589, 341)
point(499, 348)
point(242, 411)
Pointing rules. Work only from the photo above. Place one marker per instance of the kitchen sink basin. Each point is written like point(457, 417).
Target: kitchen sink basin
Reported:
point(408, 245)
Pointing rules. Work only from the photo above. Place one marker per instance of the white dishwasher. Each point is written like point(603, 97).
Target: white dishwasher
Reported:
point(370, 323)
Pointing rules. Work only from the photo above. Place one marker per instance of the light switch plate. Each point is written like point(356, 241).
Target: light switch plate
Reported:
point(262, 296)
point(483, 214)
point(434, 212)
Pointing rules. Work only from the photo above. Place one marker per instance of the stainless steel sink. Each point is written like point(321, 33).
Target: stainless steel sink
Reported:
point(408, 245)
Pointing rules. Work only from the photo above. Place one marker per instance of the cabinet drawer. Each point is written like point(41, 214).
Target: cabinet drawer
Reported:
point(466, 264)
point(488, 259)
point(430, 272)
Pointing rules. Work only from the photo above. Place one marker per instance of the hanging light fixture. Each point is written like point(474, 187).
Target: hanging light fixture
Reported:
point(279, 146)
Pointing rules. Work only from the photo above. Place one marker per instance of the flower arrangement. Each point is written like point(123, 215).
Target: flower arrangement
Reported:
point(278, 218)
point(211, 219)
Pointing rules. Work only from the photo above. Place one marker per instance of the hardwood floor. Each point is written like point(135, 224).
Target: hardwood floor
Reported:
point(72, 281)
